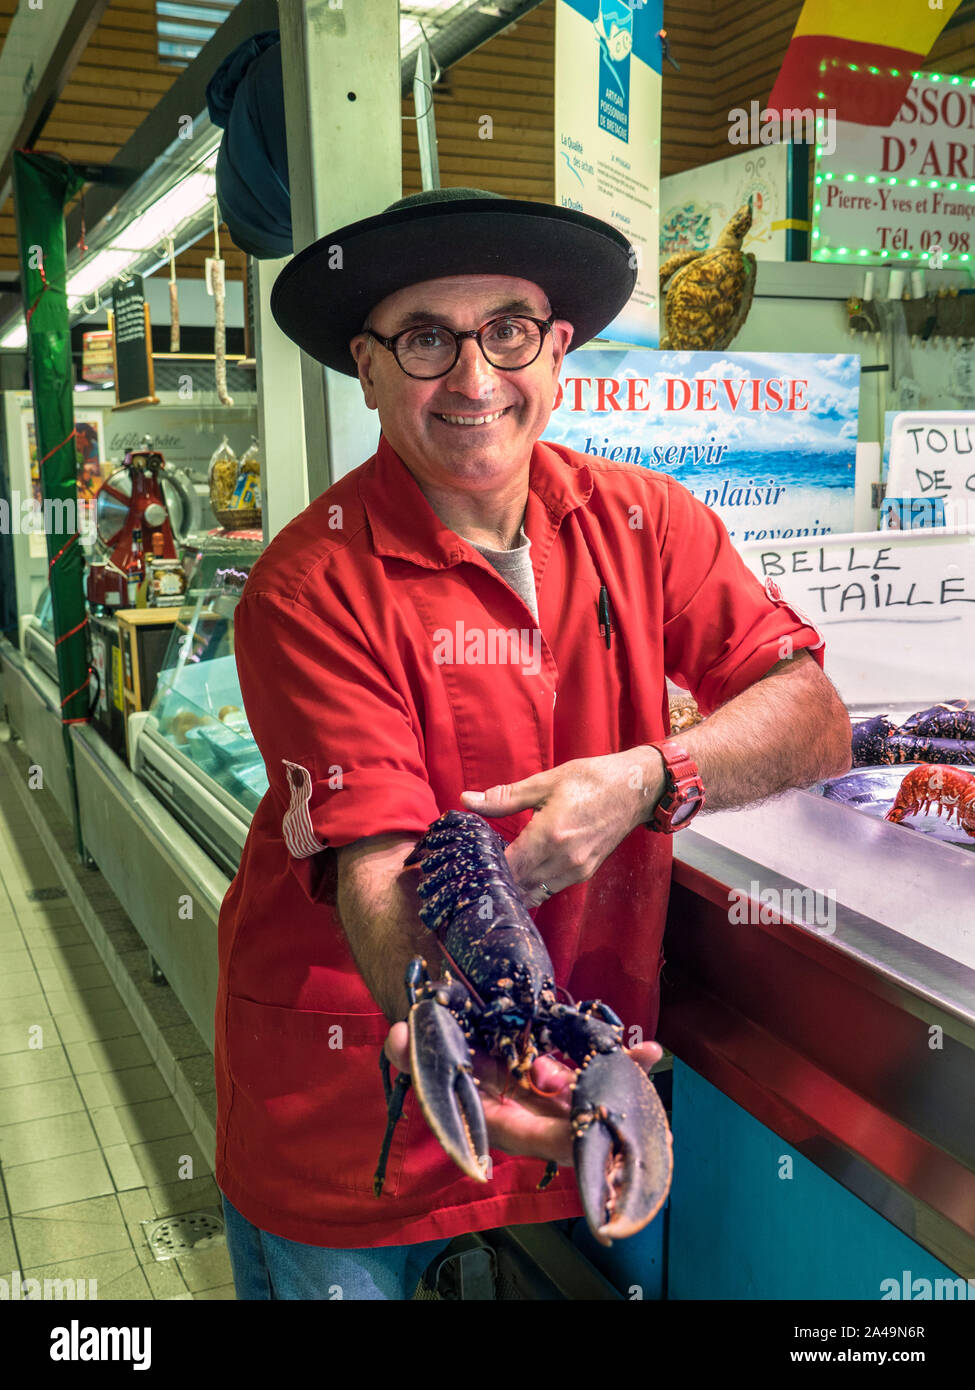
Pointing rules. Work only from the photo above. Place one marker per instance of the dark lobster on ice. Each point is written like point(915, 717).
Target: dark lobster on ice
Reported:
point(944, 733)
point(498, 992)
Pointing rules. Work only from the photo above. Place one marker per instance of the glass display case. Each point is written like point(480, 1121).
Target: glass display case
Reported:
point(38, 638)
point(194, 748)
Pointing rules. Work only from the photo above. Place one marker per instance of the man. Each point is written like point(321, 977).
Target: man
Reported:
point(366, 643)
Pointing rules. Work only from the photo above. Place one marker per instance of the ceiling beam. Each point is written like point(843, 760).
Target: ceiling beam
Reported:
point(82, 22)
point(963, 15)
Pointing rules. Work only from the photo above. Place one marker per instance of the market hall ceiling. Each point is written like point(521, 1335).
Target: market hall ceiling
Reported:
point(119, 78)
point(728, 55)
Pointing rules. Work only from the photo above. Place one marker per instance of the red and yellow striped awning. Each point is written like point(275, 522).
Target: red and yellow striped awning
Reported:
point(856, 56)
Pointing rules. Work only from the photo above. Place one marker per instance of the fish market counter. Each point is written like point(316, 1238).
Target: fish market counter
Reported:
point(819, 989)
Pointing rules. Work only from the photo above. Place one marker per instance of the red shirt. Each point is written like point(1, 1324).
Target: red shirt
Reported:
point(351, 644)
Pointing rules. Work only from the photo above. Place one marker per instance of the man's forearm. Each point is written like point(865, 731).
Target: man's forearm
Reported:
point(788, 730)
point(378, 904)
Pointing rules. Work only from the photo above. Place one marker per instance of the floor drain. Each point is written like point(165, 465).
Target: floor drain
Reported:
point(45, 895)
point(186, 1234)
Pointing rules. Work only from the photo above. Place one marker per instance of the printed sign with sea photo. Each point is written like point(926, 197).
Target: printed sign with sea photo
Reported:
point(768, 440)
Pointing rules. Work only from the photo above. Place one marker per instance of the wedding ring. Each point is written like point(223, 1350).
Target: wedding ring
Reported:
point(546, 890)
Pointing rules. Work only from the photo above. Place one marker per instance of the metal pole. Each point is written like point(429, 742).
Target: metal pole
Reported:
point(285, 489)
point(426, 121)
point(797, 204)
point(341, 68)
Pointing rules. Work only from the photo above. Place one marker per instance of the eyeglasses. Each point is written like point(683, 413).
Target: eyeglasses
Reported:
point(432, 350)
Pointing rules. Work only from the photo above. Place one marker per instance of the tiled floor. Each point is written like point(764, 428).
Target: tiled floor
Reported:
point(91, 1141)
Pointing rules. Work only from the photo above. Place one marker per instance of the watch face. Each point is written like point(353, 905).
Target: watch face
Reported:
point(684, 812)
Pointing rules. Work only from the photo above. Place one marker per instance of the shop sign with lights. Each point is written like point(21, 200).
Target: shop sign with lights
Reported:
point(904, 193)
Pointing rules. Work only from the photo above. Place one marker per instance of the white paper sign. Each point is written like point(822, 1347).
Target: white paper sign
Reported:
point(904, 192)
point(932, 454)
point(896, 609)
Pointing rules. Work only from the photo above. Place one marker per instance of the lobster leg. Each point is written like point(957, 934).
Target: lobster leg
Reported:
point(441, 1071)
point(622, 1145)
point(416, 974)
point(395, 1096)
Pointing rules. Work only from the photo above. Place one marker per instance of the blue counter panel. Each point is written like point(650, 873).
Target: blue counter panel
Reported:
point(750, 1217)
point(635, 1266)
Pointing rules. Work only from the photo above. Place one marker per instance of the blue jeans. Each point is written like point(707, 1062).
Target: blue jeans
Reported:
point(271, 1267)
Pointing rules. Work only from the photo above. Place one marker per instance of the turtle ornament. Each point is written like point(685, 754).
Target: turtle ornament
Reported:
point(709, 293)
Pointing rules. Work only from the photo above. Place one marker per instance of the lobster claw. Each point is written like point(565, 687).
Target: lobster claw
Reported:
point(443, 1078)
point(623, 1152)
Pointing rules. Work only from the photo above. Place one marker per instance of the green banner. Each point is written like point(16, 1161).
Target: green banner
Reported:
point(42, 185)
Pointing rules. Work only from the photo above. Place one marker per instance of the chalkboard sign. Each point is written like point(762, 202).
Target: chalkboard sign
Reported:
point(132, 345)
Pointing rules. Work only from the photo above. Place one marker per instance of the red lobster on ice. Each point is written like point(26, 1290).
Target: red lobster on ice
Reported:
point(937, 787)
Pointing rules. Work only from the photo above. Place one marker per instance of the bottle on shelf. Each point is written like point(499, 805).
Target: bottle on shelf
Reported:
point(135, 567)
point(164, 578)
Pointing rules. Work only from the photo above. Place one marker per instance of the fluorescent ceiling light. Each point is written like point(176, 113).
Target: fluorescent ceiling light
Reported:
point(431, 17)
point(97, 271)
point(166, 214)
point(427, 9)
point(129, 245)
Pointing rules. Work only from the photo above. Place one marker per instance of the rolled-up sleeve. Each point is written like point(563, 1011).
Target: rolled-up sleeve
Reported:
point(722, 629)
point(342, 752)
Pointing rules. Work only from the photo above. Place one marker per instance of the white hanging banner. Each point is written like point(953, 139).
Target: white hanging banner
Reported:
point(607, 135)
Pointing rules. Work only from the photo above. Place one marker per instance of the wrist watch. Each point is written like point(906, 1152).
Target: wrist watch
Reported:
point(683, 793)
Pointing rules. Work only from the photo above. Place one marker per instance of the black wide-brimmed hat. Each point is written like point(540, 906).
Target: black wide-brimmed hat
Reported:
point(322, 298)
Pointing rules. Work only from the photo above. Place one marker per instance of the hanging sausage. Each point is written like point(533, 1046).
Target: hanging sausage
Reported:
point(216, 284)
point(173, 302)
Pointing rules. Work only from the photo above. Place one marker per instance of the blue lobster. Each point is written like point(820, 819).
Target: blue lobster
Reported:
point(499, 992)
point(944, 733)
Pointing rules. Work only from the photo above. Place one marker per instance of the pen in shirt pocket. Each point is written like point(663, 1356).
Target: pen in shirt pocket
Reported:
point(605, 625)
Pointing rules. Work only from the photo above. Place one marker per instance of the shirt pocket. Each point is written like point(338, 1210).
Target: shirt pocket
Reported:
point(308, 1106)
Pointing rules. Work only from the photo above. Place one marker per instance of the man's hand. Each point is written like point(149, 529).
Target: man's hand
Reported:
point(788, 729)
point(523, 1123)
point(583, 809)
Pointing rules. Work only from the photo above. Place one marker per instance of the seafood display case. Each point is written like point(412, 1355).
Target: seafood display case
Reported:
point(194, 747)
point(820, 964)
point(821, 975)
